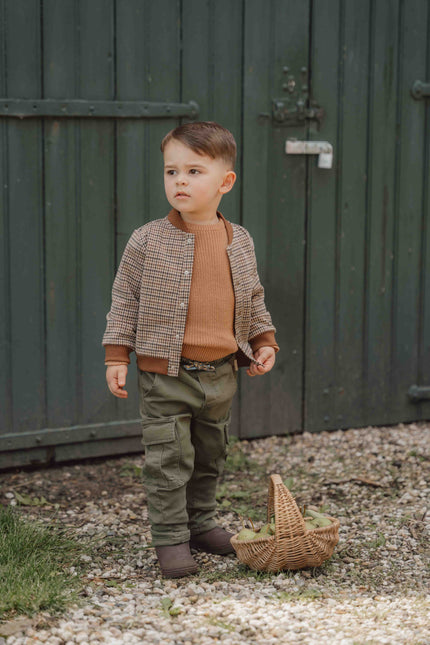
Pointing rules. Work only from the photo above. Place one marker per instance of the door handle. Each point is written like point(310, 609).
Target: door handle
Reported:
point(323, 149)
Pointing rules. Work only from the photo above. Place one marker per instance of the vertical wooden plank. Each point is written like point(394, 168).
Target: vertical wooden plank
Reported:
point(326, 86)
point(60, 33)
point(132, 84)
point(348, 402)
point(424, 340)
point(197, 64)
point(23, 46)
point(423, 377)
point(163, 53)
point(340, 396)
point(380, 211)
point(5, 330)
point(96, 190)
point(212, 72)
point(274, 205)
point(409, 213)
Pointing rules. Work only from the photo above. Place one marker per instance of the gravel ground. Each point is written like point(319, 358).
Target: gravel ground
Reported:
point(375, 588)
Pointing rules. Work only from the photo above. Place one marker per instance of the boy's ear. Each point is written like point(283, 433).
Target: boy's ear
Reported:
point(228, 182)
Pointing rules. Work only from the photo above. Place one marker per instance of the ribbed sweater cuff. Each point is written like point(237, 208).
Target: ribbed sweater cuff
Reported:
point(117, 353)
point(267, 339)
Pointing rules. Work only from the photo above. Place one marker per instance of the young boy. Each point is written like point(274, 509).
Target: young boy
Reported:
point(187, 299)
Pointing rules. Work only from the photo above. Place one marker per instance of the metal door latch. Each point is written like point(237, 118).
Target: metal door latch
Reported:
point(323, 149)
point(420, 90)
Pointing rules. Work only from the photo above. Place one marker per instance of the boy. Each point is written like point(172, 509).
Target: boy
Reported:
point(187, 299)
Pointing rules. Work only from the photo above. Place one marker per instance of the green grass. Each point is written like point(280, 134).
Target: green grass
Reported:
point(35, 563)
point(239, 572)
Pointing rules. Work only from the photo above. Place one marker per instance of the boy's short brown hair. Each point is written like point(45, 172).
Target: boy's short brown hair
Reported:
point(205, 138)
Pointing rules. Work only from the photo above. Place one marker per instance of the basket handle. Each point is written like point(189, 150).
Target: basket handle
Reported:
point(291, 526)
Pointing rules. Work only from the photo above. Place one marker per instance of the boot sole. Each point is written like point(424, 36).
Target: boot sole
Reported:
point(226, 550)
point(179, 573)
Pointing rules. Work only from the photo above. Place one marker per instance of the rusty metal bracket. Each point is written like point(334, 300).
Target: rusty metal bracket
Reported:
point(71, 108)
point(286, 112)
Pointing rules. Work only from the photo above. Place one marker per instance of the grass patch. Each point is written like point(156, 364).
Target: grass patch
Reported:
point(221, 624)
point(240, 572)
point(377, 542)
point(131, 470)
point(304, 594)
point(36, 566)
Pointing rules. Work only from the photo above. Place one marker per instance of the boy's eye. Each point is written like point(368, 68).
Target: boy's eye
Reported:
point(194, 171)
point(170, 172)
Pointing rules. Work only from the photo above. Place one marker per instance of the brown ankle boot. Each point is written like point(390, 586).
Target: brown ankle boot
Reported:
point(176, 561)
point(217, 541)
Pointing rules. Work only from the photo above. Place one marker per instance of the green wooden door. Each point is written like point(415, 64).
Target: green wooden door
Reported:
point(343, 252)
point(368, 327)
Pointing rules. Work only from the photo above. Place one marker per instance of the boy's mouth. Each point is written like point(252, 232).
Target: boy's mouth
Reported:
point(181, 194)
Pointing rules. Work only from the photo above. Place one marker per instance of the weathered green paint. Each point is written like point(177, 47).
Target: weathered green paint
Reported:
point(344, 253)
point(367, 337)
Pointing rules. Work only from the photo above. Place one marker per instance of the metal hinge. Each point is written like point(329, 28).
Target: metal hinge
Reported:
point(71, 108)
point(418, 393)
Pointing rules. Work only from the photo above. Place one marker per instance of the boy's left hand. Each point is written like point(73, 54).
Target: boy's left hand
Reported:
point(265, 356)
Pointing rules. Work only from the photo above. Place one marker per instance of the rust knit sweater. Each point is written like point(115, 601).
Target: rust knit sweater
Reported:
point(209, 333)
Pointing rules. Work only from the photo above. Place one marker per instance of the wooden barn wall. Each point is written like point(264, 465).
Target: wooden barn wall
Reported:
point(368, 298)
point(343, 253)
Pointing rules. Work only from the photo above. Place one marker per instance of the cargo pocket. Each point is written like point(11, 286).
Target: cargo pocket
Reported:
point(162, 454)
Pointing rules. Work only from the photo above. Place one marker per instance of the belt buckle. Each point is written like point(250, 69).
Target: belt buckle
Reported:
point(189, 368)
point(207, 367)
point(196, 366)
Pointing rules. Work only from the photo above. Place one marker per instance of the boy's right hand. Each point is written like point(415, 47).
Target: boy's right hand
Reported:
point(116, 376)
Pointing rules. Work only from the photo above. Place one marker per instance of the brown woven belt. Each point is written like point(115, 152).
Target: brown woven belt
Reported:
point(210, 366)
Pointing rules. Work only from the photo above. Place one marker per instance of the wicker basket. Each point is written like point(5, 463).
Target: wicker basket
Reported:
point(292, 546)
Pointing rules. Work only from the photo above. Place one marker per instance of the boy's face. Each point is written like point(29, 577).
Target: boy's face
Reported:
point(195, 183)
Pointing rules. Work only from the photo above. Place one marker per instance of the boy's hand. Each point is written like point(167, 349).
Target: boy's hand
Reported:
point(265, 356)
point(115, 377)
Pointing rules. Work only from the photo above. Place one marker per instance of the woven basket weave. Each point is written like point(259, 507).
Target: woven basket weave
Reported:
point(292, 546)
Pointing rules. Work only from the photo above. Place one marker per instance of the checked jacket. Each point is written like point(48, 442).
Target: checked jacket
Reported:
point(151, 291)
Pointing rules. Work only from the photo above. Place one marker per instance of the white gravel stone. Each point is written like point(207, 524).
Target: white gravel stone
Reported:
point(374, 590)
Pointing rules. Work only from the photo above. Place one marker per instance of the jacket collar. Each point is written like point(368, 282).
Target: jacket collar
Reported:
point(175, 218)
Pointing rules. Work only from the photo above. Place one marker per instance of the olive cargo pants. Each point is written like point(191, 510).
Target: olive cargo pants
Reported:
point(185, 421)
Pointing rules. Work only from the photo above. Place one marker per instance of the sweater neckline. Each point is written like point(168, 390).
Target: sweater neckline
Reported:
point(208, 228)
point(176, 220)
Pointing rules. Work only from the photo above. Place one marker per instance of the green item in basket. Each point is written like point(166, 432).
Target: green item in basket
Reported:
point(246, 534)
point(318, 519)
point(264, 531)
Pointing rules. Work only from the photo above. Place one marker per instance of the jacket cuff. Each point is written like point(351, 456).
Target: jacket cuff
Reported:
point(267, 339)
point(117, 353)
